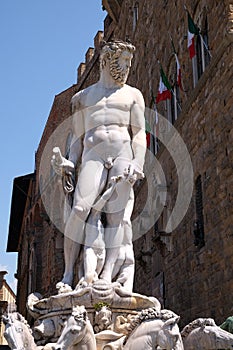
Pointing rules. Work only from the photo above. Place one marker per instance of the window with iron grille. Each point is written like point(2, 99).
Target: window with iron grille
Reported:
point(203, 55)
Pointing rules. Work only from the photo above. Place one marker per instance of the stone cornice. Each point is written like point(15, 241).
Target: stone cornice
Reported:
point(113, 8)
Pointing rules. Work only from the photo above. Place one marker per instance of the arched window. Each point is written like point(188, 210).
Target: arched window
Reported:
point(207, 54)
point(38, 221)
point(135, 15)
point(199, 64)
point(27, 225)
point(151, 116)
point(50, 260)
point(32, 270)
point(202, 58)
point(173, 105)
point(199, 240)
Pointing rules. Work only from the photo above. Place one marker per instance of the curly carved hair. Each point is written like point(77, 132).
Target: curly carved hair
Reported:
point(151, 313)
point(199, 322)
point(113, 49)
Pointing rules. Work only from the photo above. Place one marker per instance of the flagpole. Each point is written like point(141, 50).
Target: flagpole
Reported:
point(156, 121)
point(176, 100)
point(173, 94)
point(173, 46)
point(182, 87)
point(176, 56)
point(204, 43)
point(206, 47)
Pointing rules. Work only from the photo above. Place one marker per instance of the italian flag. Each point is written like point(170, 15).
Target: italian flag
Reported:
point(164, 92)
point(178, 69)
point(192, 31)
point(178, 73)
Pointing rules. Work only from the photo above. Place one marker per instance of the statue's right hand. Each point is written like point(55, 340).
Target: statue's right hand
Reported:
point(63, 167)
point(60, 164)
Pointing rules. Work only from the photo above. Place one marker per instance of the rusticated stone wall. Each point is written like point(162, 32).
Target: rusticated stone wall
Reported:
point(195, 282)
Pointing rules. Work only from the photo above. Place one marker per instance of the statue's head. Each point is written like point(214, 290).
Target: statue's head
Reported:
point(79, 313)
point(118, 54)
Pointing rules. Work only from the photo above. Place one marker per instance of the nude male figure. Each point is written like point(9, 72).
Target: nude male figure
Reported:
point(94, 246)
point(109, 139)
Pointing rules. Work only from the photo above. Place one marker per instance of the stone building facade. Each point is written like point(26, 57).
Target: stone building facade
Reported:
point(186, 264)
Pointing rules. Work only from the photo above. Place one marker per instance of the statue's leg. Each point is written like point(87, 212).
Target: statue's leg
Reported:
point(91, 181)
point(71, 252)
point(115, 210)
point(90, 263)
point(94, 249)
point(124, 266)
point(126, 274)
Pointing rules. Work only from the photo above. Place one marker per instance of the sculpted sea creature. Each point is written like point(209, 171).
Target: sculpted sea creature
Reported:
point(155, 330)
point(204, 334)
point(148, 329)
point(18, 333)
point(78, 333)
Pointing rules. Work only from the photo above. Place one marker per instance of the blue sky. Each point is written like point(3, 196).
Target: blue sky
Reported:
point(42, 44)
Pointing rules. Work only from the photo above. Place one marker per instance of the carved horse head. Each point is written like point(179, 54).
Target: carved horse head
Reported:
point(77, 333)
point(203, 334)
point(155, 329)
point(18, 333)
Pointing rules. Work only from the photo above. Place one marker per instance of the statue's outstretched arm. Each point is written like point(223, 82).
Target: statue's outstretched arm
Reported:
point(61, 165)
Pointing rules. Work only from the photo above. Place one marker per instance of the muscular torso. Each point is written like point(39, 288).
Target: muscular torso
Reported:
point(106, 117)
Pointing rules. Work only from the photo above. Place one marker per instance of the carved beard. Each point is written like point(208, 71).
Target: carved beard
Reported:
point(119, 73)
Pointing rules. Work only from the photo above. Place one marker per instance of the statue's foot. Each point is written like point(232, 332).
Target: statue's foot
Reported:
point(106, 277)
point(125, 285)
point(81, 284)
point(67, 278)
point(63, 288)
point(116, 284)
